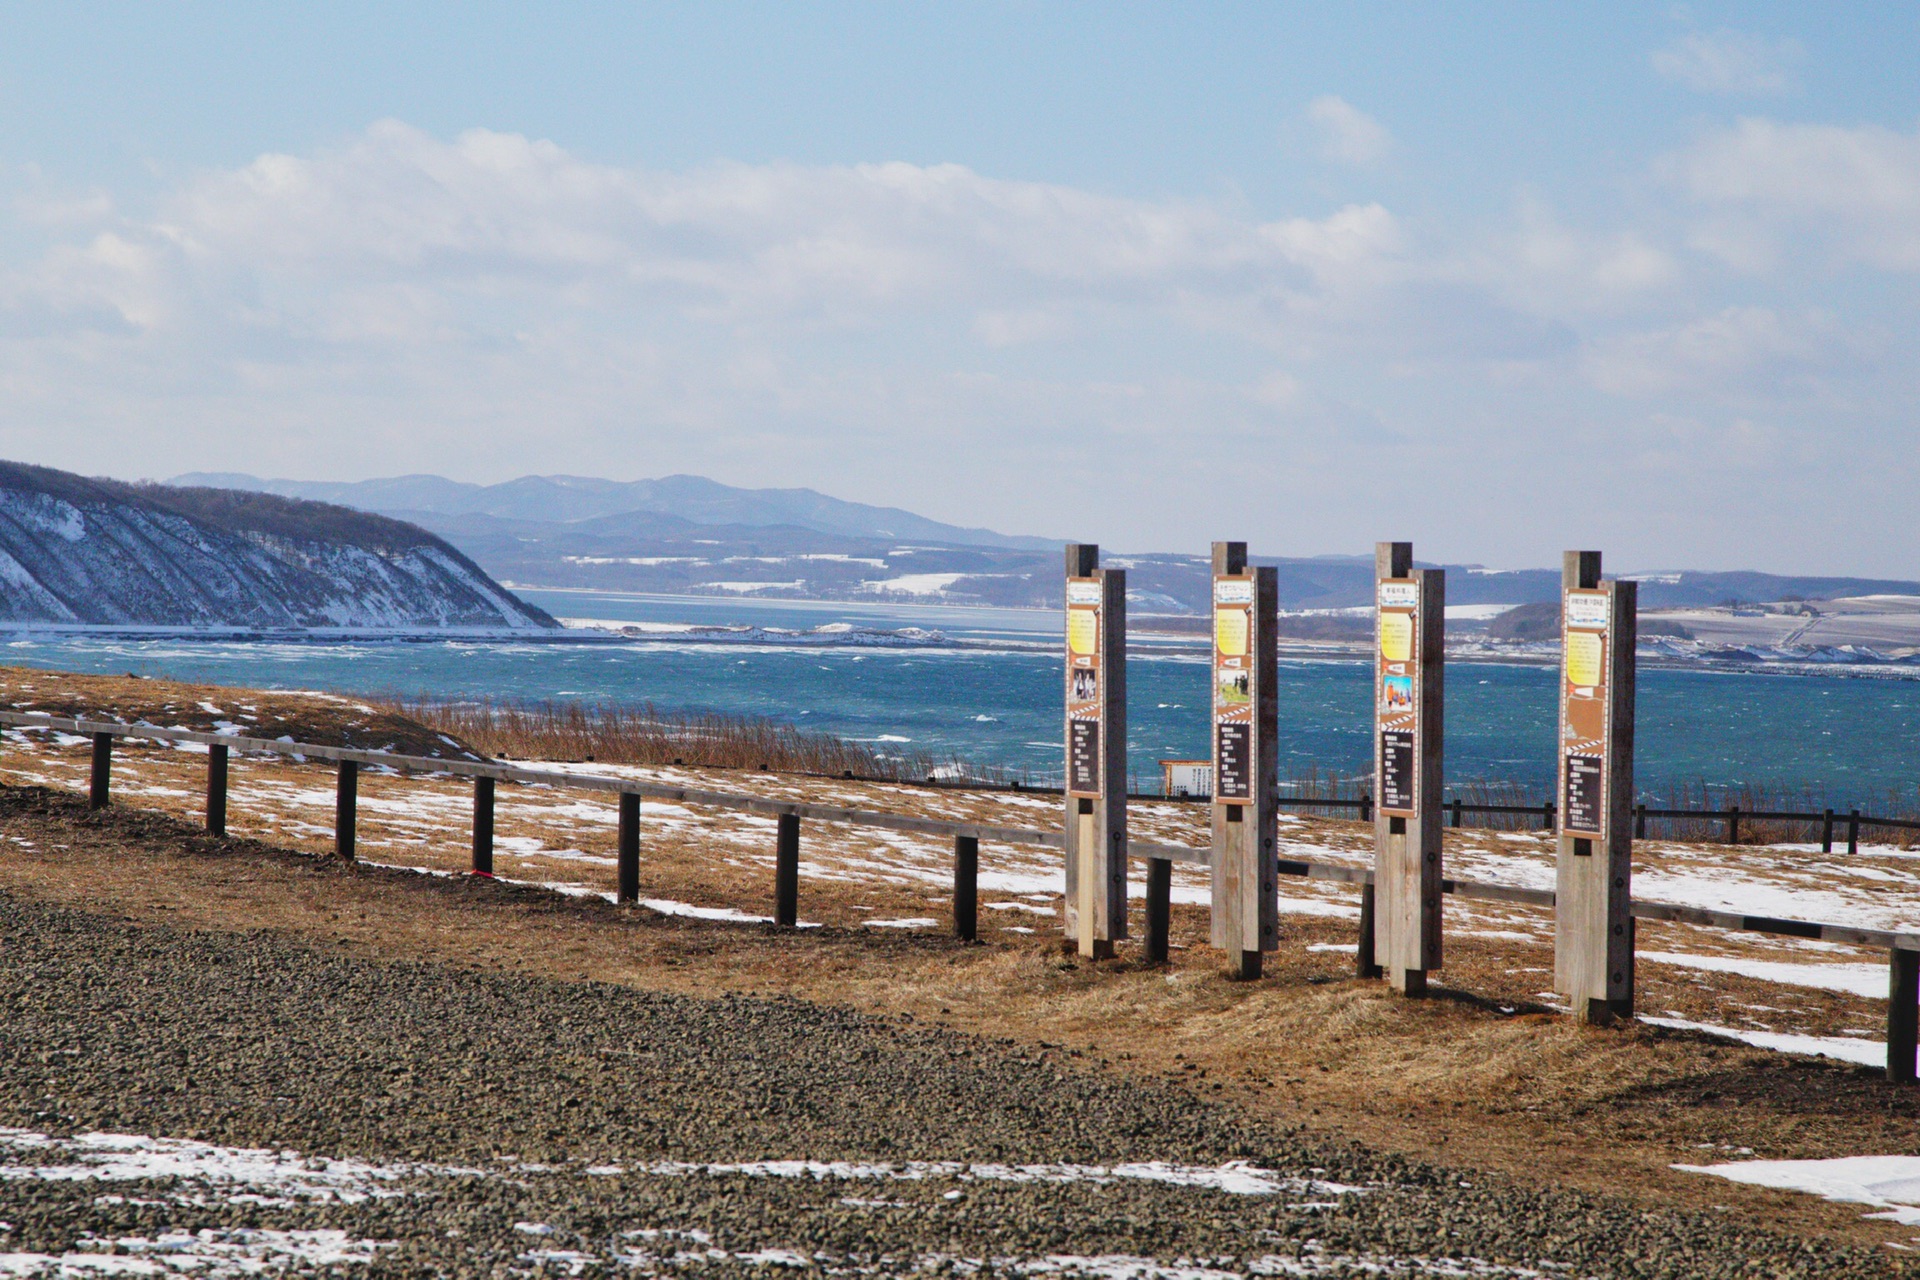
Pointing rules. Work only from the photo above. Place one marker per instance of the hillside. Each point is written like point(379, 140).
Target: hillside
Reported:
point(76, 550)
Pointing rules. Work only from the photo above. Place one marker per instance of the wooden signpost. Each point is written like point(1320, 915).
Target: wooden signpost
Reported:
point(1246, 881)
point(1408, 705)
point(1096, 790)
point(1593, 893)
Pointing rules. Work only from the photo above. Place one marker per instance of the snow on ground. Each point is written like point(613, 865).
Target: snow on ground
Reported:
point(1868, 1053)
point(1865, 980)
point(1888, 1183)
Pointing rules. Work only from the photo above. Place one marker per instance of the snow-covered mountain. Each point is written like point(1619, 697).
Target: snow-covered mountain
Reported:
point(75, 550)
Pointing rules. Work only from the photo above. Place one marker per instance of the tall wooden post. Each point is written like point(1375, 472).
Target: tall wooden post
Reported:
point(216, 790)
point(1409, 710)
point(483, 826)
point(1159, 910)
point(1246, 877)
point(1593, 911)
point(786, 871)
point(1096, 745)
point(346, 797)
point(1903, 1018)
point(629, 859)
point(99, 785)
point(966, 888)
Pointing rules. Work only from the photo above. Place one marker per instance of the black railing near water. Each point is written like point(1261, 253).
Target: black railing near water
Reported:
point(1853, 821)
point(1903, 1006)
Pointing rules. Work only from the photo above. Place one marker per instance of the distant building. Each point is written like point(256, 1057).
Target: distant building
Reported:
point(1186, 777)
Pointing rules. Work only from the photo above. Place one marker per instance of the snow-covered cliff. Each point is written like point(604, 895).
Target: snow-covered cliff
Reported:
point(76, 550)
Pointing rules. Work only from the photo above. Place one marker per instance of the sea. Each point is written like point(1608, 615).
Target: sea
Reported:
point(983, 687)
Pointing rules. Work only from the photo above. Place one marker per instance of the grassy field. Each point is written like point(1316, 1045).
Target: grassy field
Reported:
point(1488, 1074)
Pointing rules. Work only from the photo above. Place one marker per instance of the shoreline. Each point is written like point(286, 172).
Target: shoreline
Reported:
point(843, 636)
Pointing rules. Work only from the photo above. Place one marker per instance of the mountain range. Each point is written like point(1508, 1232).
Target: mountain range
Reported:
point(686, 534)
point(572, 499)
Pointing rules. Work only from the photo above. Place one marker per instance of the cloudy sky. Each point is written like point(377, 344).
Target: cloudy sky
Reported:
point(1499, 279)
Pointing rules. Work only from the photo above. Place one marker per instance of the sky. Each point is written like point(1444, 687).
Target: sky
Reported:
point(1499, 279)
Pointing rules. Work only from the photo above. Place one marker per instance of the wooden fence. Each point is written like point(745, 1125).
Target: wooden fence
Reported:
point(1903, 1011)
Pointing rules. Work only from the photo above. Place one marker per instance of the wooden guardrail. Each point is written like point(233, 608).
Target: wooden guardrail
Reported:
point(1903, 948)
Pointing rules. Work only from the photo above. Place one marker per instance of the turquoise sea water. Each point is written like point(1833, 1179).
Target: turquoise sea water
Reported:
point(996, 701)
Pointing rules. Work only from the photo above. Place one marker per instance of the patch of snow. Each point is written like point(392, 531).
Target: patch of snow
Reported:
point(1868, 980)
point(1870, 1053)
point(216, 1254)
point(1889, 1183)
point(247, 1173)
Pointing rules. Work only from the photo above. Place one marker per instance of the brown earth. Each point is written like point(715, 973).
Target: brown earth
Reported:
point(1483, 1074)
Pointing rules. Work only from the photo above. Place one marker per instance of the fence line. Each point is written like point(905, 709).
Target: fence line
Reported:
point(1903, 1014)
point(1854, 820)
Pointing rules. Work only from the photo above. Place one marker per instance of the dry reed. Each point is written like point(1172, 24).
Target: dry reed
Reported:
point(613, 733)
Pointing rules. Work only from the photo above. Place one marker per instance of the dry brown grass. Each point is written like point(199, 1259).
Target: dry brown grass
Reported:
point(616, 733)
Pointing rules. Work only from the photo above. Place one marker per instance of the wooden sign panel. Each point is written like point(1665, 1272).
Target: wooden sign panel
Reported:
point(1585, 712)
point(1084, 677)
point(1397, 673)
point(1233, 679)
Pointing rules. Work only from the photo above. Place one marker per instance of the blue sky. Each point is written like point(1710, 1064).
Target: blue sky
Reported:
point(1502, 279)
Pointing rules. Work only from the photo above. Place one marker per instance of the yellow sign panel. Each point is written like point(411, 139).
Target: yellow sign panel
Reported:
point(1083, 632)
point(1396, 636)
point(1585, 654)
point(1230, 632)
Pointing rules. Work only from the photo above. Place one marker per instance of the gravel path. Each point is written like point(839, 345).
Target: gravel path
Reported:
point(447, 1122)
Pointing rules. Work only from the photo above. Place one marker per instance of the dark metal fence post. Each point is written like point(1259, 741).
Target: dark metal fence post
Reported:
point(786, 871)
point(629, 847)
point(1826, 831)
point(1546, 816)
point(483, 826)
point(97, 793)
point(1366, 806)
point(1159, 908)
point(216, 790)
point(1456, 812)
point(1733, 824)
point(966, 887)
point(1640, 822)
point(1903, 1013)
point(1853, 832)
point(346, 796)
point(1363, 961)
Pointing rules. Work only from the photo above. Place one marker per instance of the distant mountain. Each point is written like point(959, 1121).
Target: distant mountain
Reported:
point(687, 534)
point(570, 499)
point(99, 551)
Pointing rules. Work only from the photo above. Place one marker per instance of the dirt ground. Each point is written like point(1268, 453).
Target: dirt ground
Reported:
point(1486, 1073)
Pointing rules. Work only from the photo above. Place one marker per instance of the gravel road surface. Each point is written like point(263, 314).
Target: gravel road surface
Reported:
point(222, 1103)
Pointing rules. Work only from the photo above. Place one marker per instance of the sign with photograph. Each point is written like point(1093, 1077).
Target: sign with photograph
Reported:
point(1584, 713)
point(1233, 659)
point(1397, 697)
point(1084, 703)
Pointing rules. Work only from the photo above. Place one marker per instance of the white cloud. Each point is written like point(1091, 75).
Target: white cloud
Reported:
point(1853, 190)
point(987, 350)
point(1749, 351)
point(1348, 134)
point(1729, 62)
